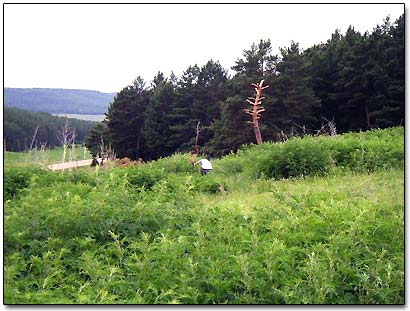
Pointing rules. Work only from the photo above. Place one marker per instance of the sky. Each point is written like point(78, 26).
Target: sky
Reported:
point(104, 47)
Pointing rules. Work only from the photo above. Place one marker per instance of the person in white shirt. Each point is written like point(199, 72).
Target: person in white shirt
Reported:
point(206, 166)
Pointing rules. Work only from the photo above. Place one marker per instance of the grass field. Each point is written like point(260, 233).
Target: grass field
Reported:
point(161, 233)
point(45, 157)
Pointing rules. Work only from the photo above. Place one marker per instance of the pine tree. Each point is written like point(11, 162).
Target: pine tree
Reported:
point(231, 129)
point(125, 120)
point(197, 99)
point(296, 104)
point(98, 134)
point(360, 78)
point(351, 85)
point(392, 113)
point(158, 120)
point(323, 73)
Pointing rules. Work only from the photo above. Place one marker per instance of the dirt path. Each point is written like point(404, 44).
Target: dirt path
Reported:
point(67, 165)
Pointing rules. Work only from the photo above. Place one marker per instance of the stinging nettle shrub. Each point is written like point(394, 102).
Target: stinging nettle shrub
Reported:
point(177, 163)
point(369, 151)
point(358, 152)
point(209, 184)
point(142, 176)
point(230, 164)
point(16, 179)
point(296, 157)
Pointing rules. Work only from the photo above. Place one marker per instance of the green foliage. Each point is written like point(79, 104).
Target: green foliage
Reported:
point(44, 157)
point(231, 164)
point(20, 125)
point(355, 80)
point(97, 138)
point(16, 179)
point(296, 157)
point(371, 150)
point(209, 184)
point(177, 163)
point(360, 77)
point(143, 177)
point(296, 102)
point(161, 233)
point(359, 152)
point(125, 120)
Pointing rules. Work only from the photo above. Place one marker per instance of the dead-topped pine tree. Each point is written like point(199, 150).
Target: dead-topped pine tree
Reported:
point(197, 137)
point(257, 109)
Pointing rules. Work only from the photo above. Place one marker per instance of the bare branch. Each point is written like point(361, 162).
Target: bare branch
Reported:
point(197, 137)
point(34, 137)
point(255, 102)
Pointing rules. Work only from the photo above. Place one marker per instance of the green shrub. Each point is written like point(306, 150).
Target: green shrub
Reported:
point(209, 184)
point(144, 176)
point(230, 164)
point(360, 152)
point(177, 163)
point(294, 158)
point(369, 151)
point(79, 176)
point(18, 178)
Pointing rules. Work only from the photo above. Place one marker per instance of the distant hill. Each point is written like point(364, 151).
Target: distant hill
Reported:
point(58, 101)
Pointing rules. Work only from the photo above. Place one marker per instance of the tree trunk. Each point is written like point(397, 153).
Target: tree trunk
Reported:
point(138, 145)
point(197, 137)
point(256, 110)
point(366, 110)
point(257, 132)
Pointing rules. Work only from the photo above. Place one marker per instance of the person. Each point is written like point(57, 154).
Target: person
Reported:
point(206, 166)
point(94, 162)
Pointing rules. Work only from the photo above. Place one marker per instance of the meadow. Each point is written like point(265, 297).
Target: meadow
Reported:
point(38, 157)
point(314, 220)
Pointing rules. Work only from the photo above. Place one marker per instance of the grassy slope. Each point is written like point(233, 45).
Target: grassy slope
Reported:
point(319, 240)
point(37, 157)
point(100, 238)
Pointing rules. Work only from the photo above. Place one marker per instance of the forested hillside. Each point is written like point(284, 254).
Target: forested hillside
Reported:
point(354, 80)
point(58, 100)
point(20, 127)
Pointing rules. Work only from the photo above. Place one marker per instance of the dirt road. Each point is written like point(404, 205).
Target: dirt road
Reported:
point(67, 165)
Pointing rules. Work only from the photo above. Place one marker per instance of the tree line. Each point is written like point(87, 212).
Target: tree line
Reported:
point(354, 81)
point(24, 130)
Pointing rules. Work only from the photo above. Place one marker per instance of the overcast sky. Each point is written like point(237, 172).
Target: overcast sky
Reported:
point(105, 47)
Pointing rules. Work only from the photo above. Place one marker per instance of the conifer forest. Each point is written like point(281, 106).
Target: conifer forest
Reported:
point(354, 81)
